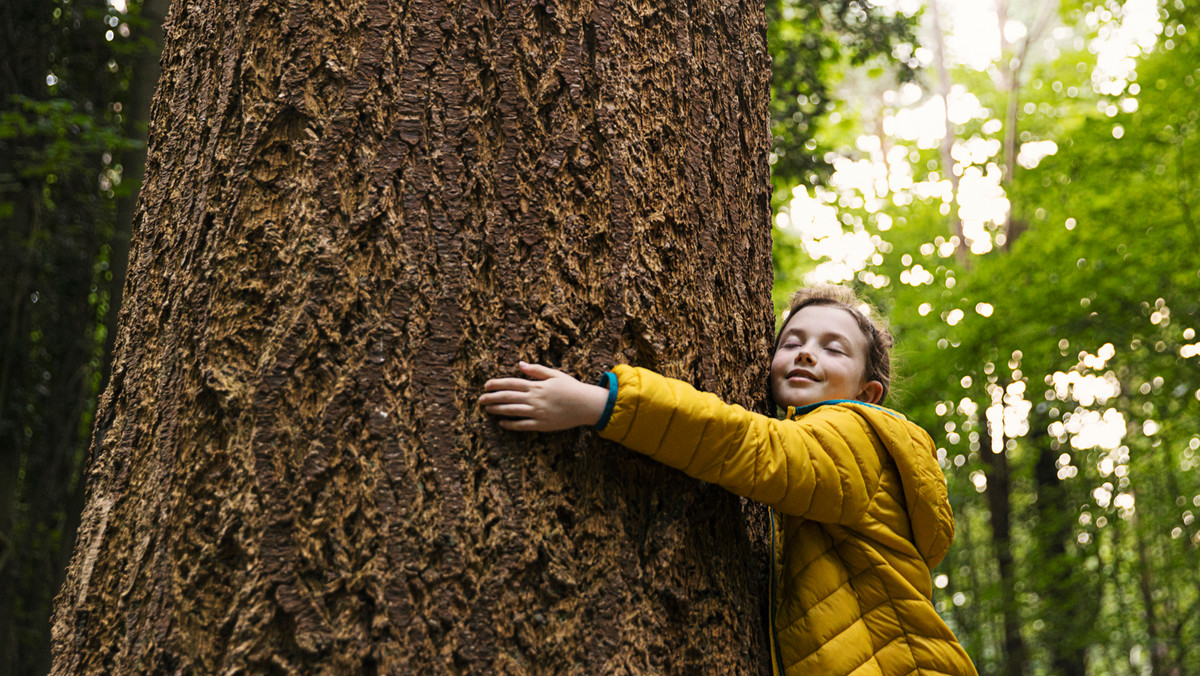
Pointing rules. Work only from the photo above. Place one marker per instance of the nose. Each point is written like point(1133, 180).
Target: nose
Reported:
point(804, 354)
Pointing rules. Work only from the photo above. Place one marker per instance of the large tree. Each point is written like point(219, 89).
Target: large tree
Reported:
point(353, 214)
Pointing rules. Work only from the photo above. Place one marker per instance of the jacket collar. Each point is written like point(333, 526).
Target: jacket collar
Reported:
point(795, 412)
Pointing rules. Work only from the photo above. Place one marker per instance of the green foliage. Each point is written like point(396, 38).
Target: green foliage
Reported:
point(1098, 285)
point(54, 137)
point(62, 136)
point(812, 42)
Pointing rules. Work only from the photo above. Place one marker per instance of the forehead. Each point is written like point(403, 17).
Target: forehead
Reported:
point(825, 320)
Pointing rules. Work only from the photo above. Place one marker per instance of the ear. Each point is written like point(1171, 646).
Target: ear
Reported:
point(871, 393)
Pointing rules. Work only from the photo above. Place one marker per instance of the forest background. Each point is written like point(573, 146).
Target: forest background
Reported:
point(1013, 183)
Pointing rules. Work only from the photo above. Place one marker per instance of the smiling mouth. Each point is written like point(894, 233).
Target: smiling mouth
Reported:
point(802, 376)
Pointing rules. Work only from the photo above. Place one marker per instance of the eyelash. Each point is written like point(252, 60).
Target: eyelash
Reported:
point(791, 345)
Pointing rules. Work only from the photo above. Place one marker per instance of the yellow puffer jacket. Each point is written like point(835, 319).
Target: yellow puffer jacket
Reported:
point(865, 516)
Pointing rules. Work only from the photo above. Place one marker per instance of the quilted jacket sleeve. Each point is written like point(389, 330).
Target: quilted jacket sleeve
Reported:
point(825, 467)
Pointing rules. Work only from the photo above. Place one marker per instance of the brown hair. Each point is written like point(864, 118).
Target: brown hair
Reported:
point(879, 338)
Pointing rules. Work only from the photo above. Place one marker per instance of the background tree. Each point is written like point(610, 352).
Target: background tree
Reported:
point(354, 214)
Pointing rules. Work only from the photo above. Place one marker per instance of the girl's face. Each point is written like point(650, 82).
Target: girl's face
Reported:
point(822, 355)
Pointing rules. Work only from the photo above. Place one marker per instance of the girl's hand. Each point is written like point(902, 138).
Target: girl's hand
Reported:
point(544, 401)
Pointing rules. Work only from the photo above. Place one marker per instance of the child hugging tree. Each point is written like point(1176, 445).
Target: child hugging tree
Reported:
point(858, 504)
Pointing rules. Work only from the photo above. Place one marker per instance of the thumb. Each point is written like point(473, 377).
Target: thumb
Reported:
point(538, 372)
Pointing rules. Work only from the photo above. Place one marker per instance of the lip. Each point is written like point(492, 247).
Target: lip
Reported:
point(801, 374)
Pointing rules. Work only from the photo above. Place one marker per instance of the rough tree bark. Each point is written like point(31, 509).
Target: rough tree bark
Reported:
point(354, 213)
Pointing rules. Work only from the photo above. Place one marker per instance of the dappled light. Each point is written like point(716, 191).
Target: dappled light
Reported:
point(1034, 242)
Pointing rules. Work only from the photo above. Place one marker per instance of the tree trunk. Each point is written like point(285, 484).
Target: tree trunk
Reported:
point(1145, 571)
point(353, 214)
point(946, 147)
point(1000, 510)
point(1010, 85)
point(1069, 602)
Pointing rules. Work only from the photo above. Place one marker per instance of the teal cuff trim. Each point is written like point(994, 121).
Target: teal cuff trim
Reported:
point(608, 380)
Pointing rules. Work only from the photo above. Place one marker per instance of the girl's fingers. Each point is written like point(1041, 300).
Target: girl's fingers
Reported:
point(521, 425)
point(518, 384)
point(504, 397)
point(534, 371)
point(538, 371)
point(515, 410)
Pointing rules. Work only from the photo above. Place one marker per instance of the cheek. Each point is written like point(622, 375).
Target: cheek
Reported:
point(857, 374)
point(843, 371)
point(779, 364)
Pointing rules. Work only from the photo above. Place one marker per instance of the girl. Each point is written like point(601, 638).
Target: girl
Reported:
point(859, 507)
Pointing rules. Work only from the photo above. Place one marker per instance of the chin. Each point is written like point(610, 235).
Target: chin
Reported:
point(784, 402)
point(794, 397)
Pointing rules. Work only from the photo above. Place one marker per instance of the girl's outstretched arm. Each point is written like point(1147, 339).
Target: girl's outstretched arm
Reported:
point(545, 400)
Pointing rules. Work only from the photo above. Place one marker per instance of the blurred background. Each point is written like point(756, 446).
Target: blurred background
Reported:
point(1023, 207)
point(1014, 183)
point(75, 85)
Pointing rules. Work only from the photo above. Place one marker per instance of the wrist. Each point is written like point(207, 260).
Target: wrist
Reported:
point(593, 403)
